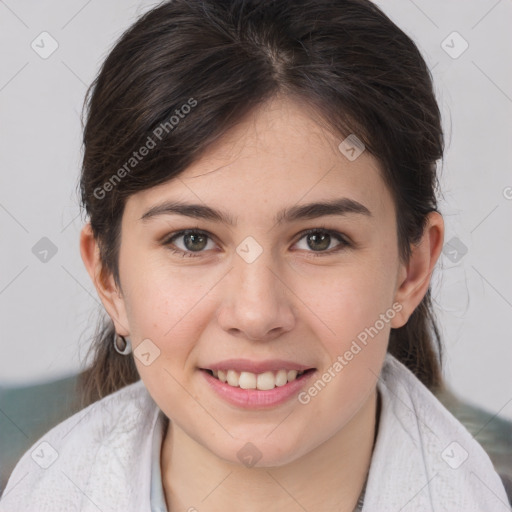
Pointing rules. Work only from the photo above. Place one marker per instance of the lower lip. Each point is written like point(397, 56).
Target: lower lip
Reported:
point(255, 398)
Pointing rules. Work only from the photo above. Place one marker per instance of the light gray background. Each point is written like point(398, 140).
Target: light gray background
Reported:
point(48, 310)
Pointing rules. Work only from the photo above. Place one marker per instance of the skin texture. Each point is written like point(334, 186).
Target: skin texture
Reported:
point(286, 304)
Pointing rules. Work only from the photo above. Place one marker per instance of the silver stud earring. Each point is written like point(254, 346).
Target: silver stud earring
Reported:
point(125, 344)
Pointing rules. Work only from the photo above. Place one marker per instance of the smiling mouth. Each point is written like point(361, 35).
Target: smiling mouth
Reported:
point(262, 381)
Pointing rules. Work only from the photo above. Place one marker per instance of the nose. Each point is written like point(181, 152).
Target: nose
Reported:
point(257, 300)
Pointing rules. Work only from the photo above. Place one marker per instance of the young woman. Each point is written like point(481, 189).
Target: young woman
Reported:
point(260, 181)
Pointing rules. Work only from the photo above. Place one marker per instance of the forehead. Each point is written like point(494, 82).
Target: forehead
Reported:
point(277, 156)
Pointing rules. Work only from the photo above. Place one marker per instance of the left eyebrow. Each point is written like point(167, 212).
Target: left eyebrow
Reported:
point(342, 206)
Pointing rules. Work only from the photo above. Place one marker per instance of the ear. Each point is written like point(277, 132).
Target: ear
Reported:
point(414, 278)
point(108, 292)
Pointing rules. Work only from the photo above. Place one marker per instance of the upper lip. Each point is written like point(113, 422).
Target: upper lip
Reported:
point(247, 365)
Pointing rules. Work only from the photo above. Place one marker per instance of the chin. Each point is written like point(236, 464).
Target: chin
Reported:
point(258, 452)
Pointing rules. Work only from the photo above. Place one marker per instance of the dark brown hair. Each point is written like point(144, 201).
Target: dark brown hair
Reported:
point(344, 59)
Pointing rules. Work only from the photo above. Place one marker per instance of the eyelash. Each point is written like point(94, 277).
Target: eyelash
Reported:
point(344, 243)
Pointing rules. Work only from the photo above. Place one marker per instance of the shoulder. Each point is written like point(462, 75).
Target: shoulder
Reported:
point(415, 410)
point(429, 459)
point(91, 457)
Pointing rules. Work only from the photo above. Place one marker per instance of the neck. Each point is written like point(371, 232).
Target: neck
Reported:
point(330, 477)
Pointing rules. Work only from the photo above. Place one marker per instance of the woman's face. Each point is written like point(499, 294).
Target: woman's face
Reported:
point(260, 290)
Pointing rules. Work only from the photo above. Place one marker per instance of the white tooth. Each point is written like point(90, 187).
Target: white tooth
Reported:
point(281, 378)
point(247, 380)
point(214, 373)
point(292, 374)
point(232, 378)
point(265, 381)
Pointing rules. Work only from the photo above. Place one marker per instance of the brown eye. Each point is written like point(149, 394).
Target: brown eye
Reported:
point(320, 240)
point(193, 241)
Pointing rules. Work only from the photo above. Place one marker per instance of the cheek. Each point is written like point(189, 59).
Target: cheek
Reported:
point(163, 299)
point(362, 321)
point(171, 311)
point(356, 313)
point(355, 309)
point(351, 299)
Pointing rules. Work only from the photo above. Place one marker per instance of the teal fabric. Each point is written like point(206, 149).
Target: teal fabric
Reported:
point(492, 432)
point(27, 413)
